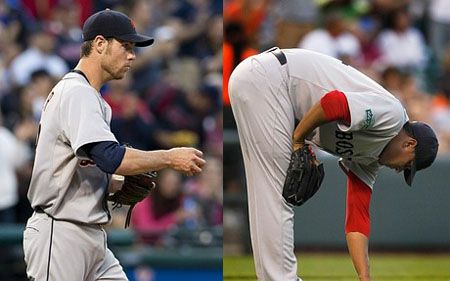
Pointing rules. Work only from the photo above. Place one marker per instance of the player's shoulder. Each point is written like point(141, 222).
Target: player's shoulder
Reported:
point(386, 98)
point(386, 102)
point(71, 86)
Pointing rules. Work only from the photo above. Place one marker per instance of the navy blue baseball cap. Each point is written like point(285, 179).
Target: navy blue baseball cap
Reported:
point(109, 23)
point(426, 148)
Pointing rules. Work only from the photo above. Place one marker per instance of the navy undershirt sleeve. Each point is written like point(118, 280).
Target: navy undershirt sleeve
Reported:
point(107, 155)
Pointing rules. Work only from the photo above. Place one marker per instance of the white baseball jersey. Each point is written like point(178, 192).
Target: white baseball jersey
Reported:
point(376, 115)
point(65, 183)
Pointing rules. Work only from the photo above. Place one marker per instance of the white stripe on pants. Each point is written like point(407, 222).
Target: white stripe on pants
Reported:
point(265, 119)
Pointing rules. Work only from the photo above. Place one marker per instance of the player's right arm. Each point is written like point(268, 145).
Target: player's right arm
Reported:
point(183, 159)
point(113, 158)
point(357, 224)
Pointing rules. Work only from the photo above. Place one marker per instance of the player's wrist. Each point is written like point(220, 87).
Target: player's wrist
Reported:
point(298, 143)
point(365, 278)
point(167, 157)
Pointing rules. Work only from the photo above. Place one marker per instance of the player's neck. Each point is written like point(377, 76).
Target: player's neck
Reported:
point(92, 71)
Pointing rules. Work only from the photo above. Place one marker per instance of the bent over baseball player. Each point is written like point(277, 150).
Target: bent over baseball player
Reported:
point(77, 153)
point(341, 111)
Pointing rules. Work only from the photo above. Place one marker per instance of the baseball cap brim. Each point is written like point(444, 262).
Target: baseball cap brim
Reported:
point(410, 173)
point(138, 39)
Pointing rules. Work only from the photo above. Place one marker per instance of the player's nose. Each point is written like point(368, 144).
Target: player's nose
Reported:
point(131, 55)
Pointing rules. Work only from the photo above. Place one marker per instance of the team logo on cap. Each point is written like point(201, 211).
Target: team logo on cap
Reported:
point(133, 24)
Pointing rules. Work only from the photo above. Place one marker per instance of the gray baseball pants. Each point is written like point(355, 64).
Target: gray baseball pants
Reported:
point(59, 250)
point(265, 120)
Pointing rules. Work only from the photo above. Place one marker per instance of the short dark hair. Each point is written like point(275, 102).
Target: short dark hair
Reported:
point(86, 47)
point(408, 130)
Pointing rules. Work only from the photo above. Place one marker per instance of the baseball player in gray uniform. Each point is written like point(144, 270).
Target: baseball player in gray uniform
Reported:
point(341, 111)
point(77, 153)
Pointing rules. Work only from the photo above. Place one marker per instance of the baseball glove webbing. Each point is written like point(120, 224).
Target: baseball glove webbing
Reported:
point(135, 188)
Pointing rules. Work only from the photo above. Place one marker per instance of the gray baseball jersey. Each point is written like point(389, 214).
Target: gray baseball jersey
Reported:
point(65, 183)
point(376, 115)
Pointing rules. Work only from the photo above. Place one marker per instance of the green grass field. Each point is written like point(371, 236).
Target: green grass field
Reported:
point(322, 267)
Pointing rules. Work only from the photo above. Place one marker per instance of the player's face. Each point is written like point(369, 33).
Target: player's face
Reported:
point(401, 162)
point(399, 155)
point(118, 58)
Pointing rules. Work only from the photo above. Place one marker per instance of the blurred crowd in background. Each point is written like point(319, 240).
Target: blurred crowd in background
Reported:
point(171, 97)
point(404, 45)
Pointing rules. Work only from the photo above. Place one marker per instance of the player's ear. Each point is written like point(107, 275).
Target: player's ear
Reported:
point(410, 143)
point(100, 43)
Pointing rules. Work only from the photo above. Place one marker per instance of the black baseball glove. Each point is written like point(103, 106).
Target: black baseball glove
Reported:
point(304, 176)
point(134, 189)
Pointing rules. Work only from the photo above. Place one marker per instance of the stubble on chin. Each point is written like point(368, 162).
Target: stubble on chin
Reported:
point(119, 76)
point(115, 75)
